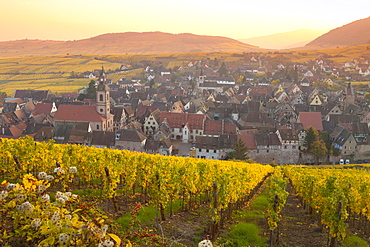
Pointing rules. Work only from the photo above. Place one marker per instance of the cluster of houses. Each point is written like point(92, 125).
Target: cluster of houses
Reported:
point(202, 113)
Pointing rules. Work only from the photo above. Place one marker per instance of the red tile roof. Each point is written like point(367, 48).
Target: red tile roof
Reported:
point(311, 119)
point(249, 140)
point(212, 127)
point(178, 120)
point(79, 113)
point(18, 101)
point(229, 128)
point(44, 108)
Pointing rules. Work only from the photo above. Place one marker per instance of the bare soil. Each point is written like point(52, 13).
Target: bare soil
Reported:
point(298, 227)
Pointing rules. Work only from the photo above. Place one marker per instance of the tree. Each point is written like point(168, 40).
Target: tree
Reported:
point(222, 70)
point(316, 143)
point(312, 135)
point(151, 82)
point(91, 90)
point(318, 148)
point(3, 95)
point(240, 150)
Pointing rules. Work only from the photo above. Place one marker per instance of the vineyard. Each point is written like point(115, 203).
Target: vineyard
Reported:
point(70, 195)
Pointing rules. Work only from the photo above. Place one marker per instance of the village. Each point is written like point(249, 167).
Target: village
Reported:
point(203, 108)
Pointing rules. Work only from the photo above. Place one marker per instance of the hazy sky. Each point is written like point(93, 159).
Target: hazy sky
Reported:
point(77, 19)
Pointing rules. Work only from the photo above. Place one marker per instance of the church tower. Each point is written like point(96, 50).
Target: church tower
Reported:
point(102, 95)
point(349, 96)
point(201, 78)
point(103, 101)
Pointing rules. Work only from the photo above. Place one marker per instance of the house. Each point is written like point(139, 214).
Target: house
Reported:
point(9, 119)
point(344, 141)
point(330, 108)
point(308, 74)
point(119, 119)
point(72, 133)
point(289, 145)
point(177, 107)
point(103, 139)
point(34, 95)
point(216, 128)
point(152, 122)
point(158, 147)
point(257, 120)
point(250, 141)
point(11, 107)
point(316, 100)
point(207, 147)
point(45, 108)
point(268, 148)
point(44, 134)
point(14, 131)
point(83, 114)
point(311, 119)
point(89, 74)
point(360, 131)
point(163, 132)
point(130, 139)
point(285, 113)
point(184, 126)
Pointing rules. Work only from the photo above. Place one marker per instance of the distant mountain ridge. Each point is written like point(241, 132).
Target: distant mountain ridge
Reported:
point(352, 34)
point(286, 40)
point(129, 42)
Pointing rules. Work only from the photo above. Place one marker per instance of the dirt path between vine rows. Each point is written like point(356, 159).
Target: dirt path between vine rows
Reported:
point(297, 227)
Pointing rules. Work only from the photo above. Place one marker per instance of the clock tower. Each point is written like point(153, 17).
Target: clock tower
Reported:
point(102, 95)
point(103, 101)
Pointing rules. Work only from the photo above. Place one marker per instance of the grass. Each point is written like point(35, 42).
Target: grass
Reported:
point(88, 192)
point(146, 214)
point(247, 232)
point(354, 241)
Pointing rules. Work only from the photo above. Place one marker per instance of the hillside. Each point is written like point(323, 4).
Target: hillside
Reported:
point(121, 43)
point(354, 33)
point(286, 40)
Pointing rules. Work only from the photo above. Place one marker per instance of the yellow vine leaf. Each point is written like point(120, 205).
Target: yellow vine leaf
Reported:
point(115, 238)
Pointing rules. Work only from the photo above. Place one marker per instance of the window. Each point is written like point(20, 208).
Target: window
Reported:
point(214, 151)
point(101, 109)
point(207, 151)
point(200, 150)
point(97, 126)
point(293, 147)
point(100, 97)
point(285, 147)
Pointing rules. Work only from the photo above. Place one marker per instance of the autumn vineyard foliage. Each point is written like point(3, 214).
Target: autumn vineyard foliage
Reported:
point(38, 207)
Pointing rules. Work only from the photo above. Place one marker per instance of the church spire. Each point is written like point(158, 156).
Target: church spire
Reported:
point(102, 77)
